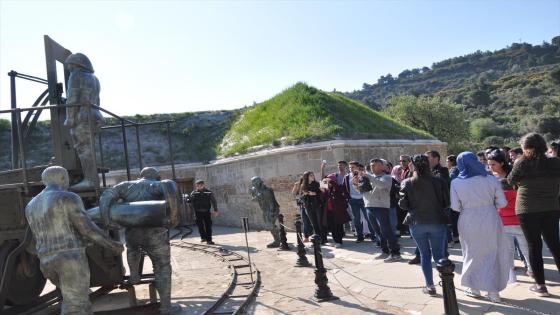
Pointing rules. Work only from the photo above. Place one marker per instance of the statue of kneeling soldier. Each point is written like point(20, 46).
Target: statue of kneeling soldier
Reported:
point(146, 226)
point(61, 229)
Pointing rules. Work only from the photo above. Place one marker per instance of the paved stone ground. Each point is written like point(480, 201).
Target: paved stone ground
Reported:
point(355, 276)
point(198, 280)
point(361, 283)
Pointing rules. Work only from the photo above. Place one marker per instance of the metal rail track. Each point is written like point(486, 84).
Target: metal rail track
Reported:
point(242, 288)
point(245, 281)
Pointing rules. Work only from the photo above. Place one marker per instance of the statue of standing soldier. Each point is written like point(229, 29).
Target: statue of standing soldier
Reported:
point(83, 89)
point(154, 241)
point(269, 206)
point(61, 229)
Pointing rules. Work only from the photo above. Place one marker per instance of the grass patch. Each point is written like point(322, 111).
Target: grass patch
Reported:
point(304, 113)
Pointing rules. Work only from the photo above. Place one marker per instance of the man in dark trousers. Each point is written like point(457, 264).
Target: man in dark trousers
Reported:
point(202, 200)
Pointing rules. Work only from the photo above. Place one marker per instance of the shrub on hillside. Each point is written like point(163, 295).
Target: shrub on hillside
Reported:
point(437, 116)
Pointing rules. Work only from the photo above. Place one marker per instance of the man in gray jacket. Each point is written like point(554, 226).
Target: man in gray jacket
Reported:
point(377, 202)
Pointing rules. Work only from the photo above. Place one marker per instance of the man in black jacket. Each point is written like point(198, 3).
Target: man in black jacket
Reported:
point(202, 200)
point(442, 172)
point(437, 170)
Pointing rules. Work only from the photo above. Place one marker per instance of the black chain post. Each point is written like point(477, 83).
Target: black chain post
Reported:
point(283, 239)
point(446, 268)
point(322, 291)
point(302, 259)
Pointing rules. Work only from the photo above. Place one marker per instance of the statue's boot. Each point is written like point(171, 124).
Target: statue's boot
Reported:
point(276, 235)
point(163, 286)
point(134, 256)
point(90, 174)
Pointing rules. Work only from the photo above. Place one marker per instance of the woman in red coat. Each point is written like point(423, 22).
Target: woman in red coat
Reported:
point(334, 210)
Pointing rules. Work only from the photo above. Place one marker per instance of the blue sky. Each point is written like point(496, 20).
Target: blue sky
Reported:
point(177, 56)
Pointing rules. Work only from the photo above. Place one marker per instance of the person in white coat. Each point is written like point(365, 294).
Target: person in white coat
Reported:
point(486, 257)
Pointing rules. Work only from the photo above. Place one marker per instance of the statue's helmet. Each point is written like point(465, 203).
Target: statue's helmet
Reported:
point(55, 175)
point(149, 173)
point(256, 181)
point(79, 60)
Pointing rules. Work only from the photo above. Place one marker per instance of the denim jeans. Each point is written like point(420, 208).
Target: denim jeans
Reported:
point(431, 240)
point(386, 236)
point(393, 219)
point(307, 227)
point(515, 235)
point(357, 206)
point(454, 217)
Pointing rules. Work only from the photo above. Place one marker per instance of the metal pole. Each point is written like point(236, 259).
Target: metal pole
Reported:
point(322, 291)
point(101, 159)
point(22, 153)
point(15, 132)
point(302, 259)
point(283, 239)
point(138, 148)
point(246, 229)
point(171, 151)
point(125, 144)
point(92, 146)
point(446, 268)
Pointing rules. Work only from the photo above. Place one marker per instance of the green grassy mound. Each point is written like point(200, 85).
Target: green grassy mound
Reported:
point(304, 114)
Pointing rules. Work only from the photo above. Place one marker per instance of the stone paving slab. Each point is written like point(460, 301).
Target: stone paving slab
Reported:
point(355, 276)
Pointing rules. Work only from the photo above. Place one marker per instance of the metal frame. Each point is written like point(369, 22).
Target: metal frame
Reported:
point(124, 123)
point(64, 154)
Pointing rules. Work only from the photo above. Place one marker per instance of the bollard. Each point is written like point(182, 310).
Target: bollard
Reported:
point(283, 239)
point(322, 291)
point(302, 259)
point(446, 268)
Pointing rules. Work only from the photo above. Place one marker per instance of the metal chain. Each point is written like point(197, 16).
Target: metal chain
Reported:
point(287, 228)
point(292, 230)
point(521, 308)
point(377, 284)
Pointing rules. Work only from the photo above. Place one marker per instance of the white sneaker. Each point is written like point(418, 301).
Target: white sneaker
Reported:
point(473, 293)
point(494, 297)
point(337, 245)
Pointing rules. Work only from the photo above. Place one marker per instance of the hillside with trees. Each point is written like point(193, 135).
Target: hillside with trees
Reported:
point(500, 94)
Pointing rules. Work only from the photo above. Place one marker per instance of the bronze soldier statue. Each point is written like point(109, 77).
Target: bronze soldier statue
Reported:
point(269, 206)
point(61, 228)
point(83, 89)
point(152, 240)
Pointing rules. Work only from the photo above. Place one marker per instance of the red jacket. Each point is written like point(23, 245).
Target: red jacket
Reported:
point(507, 213)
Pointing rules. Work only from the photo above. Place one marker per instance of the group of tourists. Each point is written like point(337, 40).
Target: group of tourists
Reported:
point(495, 203)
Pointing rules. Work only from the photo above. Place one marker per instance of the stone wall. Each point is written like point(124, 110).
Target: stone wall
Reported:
point(229, 178)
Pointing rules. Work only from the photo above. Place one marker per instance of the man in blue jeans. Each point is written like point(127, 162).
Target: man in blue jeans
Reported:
point(356, 201)
point(377, 202)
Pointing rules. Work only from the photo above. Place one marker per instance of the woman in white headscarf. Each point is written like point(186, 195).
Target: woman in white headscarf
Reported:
point(486, 257)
